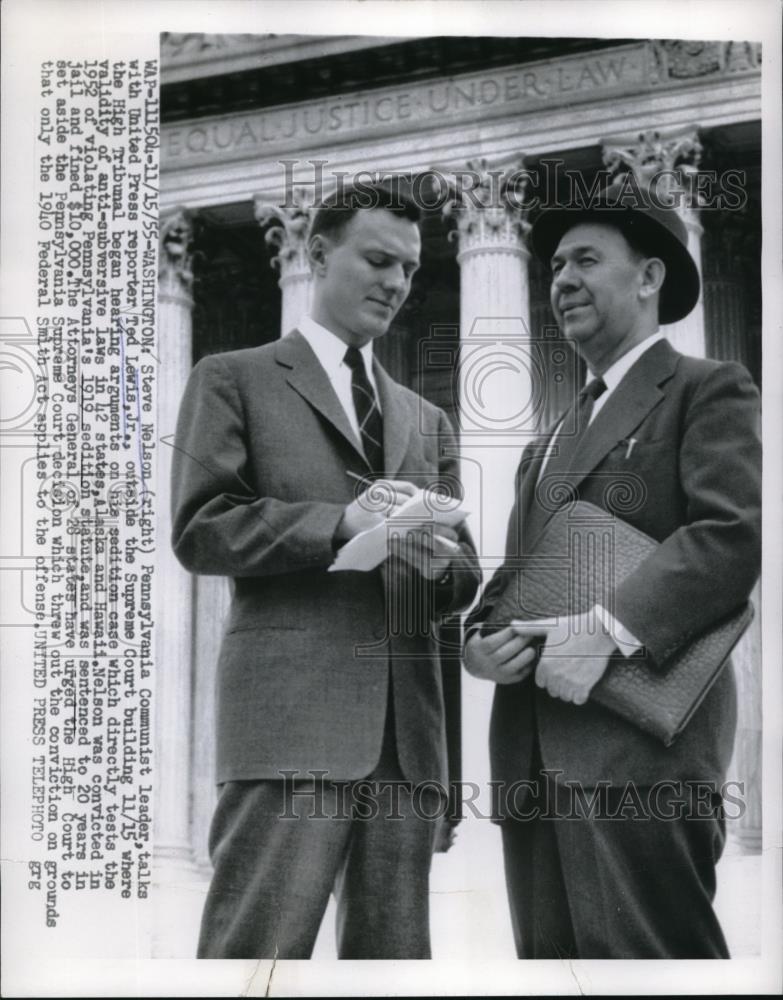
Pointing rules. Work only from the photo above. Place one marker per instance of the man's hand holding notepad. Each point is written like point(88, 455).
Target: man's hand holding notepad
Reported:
point(424, 509)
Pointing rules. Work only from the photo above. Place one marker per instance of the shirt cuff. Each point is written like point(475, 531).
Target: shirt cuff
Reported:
point(626, 641)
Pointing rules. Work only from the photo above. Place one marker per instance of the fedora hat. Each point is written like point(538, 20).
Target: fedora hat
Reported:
point(654, 229)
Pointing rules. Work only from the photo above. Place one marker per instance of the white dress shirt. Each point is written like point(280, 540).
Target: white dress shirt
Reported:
point(614, 375)
point(627, 643)
point(330, 351)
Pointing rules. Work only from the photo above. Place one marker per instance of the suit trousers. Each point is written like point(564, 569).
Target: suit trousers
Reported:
point(634, 878)
point(279, 848)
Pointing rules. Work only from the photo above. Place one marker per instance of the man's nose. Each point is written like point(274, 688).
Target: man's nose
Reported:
point(566, 277)
point(395, 279)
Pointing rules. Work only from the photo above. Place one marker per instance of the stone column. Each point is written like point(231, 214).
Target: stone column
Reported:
point(665, 161)
point(730, 240)
point(669, 160)
point(289, 237)
point(746, 765)
point(174, 620)
point(500, 378)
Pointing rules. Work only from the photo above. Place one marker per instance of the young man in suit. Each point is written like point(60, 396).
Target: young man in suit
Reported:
point(668, 443)
point(331, 680)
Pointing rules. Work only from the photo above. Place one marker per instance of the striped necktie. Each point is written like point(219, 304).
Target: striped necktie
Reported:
point(368, 414)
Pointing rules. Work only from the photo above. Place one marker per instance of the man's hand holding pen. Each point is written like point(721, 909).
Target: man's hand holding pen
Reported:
point(381, 498)
point(429, 548)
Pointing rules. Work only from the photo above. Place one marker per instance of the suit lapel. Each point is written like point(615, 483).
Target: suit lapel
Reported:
point(397, 420)
point(636, 395)
point(307, 377)
point(532, 468)
point(532, 514)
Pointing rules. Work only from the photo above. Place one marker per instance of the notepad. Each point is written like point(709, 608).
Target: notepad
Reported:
point(425, 508)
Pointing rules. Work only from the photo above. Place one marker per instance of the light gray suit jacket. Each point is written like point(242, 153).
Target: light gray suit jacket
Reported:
point(259, 486)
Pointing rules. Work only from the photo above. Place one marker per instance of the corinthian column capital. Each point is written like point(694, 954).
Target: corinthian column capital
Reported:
point(175, 257)
point(661, 159)
point(289, 236)
point(488, 205)
point(666, 163)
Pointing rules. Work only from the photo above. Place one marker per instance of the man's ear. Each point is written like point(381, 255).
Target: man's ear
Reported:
point(653, 276)
point(317, 253)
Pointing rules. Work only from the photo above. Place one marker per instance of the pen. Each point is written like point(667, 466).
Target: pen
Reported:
point(359, 479)
point(629, 449)
point(453, 546)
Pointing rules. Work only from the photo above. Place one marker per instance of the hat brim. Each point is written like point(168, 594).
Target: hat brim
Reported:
point(681, 287)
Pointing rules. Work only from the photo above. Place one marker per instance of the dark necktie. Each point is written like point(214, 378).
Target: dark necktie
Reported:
point(555, 486)
point(561, 462)
point(367, 412)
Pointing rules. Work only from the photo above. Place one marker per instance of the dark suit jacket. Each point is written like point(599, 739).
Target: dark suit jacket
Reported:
point(693, 482)
point(259, 486)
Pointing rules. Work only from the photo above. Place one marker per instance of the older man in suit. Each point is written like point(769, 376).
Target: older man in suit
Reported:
point(636, 877)
point(329, 680)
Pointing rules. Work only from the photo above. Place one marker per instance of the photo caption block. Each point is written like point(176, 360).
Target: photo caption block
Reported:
point(97, 242)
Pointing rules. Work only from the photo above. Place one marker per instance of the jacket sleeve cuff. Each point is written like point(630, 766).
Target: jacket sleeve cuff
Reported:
point(624, 639)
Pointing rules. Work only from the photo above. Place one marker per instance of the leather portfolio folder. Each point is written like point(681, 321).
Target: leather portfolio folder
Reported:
point(583, 553)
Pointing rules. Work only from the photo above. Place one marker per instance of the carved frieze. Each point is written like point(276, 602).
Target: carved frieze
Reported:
point(175, 45)
point(685, 60)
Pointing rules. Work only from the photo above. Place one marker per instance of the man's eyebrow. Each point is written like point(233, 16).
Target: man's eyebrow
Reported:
point(579, 248)
point(377, 248)
point(573, 251)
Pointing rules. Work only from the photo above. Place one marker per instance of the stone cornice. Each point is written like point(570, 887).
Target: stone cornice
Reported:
point(643, 68)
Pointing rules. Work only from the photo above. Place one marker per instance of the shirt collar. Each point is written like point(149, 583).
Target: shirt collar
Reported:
point(328, 347)
point(616, 372)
